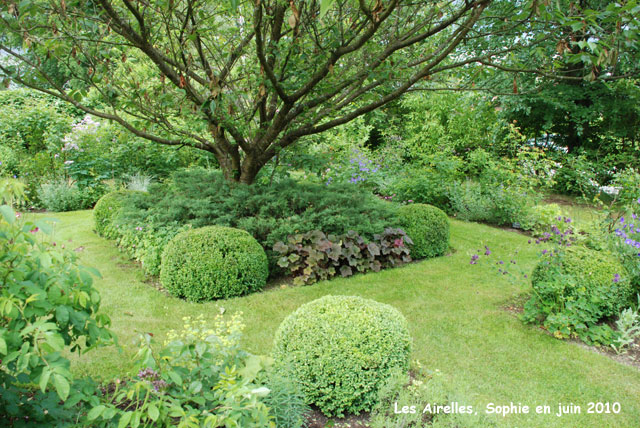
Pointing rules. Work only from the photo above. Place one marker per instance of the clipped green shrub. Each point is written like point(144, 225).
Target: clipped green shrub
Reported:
point(428, 227)
point(106, 210)
point(213, 262)
point(576, 289)
point(342, 349)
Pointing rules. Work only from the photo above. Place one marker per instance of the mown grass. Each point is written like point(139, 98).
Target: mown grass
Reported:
point(455, 309)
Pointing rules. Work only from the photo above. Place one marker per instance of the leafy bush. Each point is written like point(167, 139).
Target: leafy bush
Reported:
point(107, 209)
point(491, 202)
point(9, 161)
point(576, 176)
point(575, 289)
point(48, 306)
point(213, 262)
point(146, 243)
point(430, 183)
point(62, 195)
point(543, 218)
point(202, 197)
point(342, 349)
point(627, 182)
point(200, 378)
point(314, 256)
point(428, 227)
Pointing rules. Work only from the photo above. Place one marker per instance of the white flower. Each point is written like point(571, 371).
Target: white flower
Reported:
point(69, 162)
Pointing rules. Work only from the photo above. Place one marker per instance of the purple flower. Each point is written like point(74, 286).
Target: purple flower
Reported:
point(474, 259)
point(487, 251)
point(544, 251)
point(616, 278)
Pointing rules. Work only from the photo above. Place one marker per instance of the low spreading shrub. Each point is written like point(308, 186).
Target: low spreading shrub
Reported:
point(574, 289)
point(428, 228)
point(314, 256)
point(213, 262)
point(342, 349)
point(107, 209)
point(269, 213)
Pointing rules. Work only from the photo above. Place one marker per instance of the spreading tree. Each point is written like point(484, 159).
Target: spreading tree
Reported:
point(246, 79)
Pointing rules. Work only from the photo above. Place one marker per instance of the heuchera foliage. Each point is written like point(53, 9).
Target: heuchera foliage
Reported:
point(314, 256)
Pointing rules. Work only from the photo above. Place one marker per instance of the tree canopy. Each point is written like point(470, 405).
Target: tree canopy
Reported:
point(246, 79)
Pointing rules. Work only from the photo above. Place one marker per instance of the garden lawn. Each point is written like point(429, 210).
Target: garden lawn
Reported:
point(455, 311)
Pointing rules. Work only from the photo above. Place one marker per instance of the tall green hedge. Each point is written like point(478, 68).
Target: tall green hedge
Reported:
point(213, 262)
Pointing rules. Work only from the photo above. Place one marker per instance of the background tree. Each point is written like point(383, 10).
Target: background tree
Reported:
point(246, 79)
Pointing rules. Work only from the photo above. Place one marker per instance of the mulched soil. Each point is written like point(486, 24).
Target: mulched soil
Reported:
point(317, 420)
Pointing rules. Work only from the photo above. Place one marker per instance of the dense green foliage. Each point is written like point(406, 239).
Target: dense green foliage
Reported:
point(62, 154)
point(106, 210)
point(200, 377)
point(314, 256)
point(342, 349)
point(270, 213)
point(428, 227)
point(575, 289)
point(247, 111)
point(213, 262)
point(145, 244)
point(64, 196)
point(48, 306)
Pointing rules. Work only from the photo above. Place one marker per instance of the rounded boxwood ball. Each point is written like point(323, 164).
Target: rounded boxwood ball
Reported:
point(213, 262)
point(107, 208)
point(428, 228)
point(600, 278)
point(342, 349)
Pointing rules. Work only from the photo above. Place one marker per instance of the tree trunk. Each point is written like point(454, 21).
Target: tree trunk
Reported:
point(236, 170)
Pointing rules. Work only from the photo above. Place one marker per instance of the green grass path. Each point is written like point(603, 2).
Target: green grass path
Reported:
point(455, 311)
